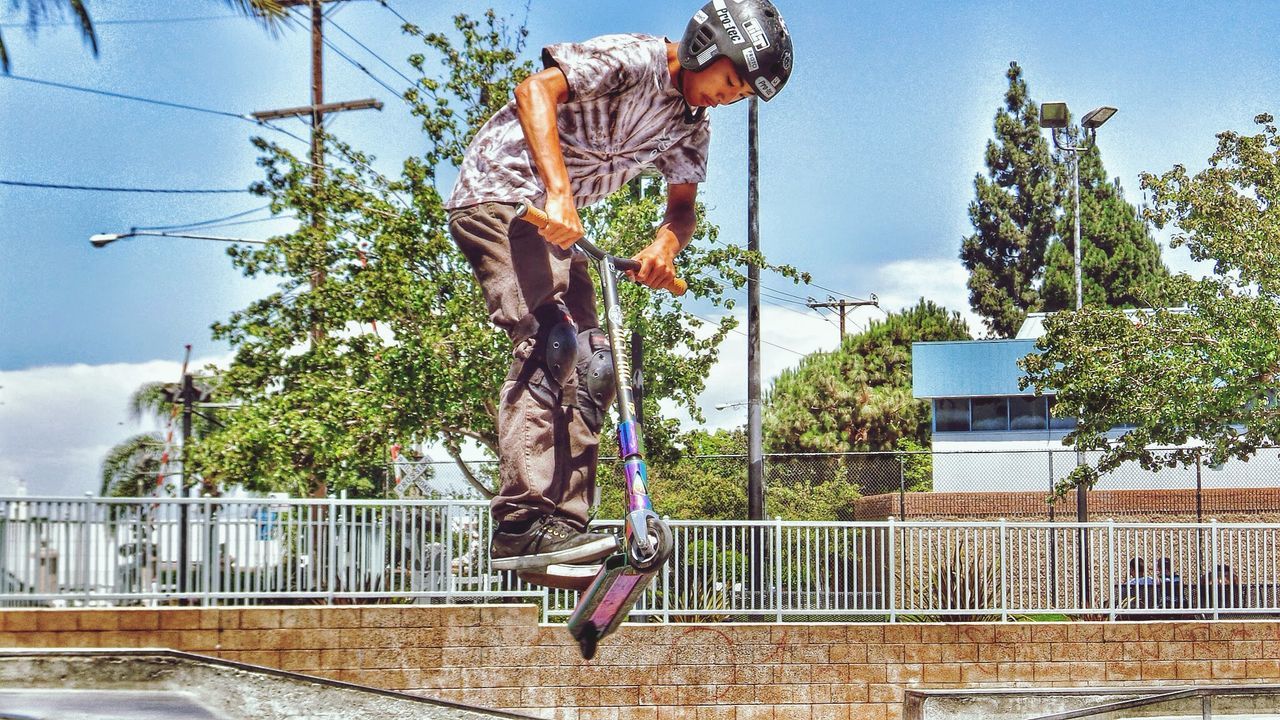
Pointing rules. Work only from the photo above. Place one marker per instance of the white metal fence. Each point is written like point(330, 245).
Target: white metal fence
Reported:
point(219, 551)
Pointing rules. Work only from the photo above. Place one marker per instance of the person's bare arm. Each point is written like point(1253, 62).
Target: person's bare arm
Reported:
point(537, 99)
point(657, 261)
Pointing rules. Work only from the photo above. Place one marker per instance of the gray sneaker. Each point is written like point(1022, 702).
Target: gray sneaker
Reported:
point(548, 541)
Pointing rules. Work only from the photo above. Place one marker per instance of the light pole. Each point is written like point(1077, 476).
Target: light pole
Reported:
point(104, 239)
point(1056, 117)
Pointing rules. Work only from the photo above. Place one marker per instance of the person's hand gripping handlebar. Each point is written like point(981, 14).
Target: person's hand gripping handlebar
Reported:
point(536, 217)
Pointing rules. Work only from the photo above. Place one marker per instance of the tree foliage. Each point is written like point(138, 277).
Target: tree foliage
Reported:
point(858, 397)
point(1020, 257)
point(1204, 367)
point(1012, 215)
point(134, 466)
point(1120, 261)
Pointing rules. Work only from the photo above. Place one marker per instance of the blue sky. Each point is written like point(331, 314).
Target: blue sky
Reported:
point(867, 163)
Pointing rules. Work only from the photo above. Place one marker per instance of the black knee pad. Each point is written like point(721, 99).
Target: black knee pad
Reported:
point(550, 365)
point(556, 342)
point(596, 387)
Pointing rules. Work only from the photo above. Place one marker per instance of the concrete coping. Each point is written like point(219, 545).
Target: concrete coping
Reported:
point(233, 688)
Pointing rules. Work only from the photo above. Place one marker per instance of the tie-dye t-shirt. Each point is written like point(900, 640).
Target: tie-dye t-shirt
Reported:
point(623, 115)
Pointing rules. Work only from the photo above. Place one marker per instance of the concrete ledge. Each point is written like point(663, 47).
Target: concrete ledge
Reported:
point(186, 685)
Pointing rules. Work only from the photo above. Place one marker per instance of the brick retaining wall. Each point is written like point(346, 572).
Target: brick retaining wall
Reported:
point(499, 656)
point(1222, 504)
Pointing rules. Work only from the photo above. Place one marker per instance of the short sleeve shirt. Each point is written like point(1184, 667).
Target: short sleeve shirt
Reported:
point(623, 115)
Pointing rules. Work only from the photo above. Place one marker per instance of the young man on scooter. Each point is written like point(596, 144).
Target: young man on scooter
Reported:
point(598, 114)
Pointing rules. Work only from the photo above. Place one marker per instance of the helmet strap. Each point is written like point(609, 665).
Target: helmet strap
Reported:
point(691, 114)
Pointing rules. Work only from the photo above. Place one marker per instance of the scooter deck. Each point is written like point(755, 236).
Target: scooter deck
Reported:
point(607, 603)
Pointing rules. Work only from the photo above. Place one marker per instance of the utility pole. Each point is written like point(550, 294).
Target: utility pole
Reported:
point(316, 110)
point(843, 305)
point(755, 437)
point(187, 395)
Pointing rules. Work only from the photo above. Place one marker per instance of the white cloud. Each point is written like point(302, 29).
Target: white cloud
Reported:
point(58, 422)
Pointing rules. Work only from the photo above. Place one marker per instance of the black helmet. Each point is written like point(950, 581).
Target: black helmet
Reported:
point(748, 32)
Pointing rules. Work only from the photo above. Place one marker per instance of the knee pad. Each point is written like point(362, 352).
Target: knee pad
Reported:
point(556, 342)
point(596, 386)
point(548, 361)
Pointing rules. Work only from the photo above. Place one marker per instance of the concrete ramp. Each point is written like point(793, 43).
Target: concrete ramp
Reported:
point(140, 684)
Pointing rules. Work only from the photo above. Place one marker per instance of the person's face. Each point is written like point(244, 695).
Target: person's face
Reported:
point(717, 84)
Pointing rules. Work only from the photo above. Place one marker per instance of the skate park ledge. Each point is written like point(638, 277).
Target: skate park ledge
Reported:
point(501, 657)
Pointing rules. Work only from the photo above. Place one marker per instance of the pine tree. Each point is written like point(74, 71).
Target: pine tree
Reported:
point(1120, 262)
point(858, 397)
point(1013, 214)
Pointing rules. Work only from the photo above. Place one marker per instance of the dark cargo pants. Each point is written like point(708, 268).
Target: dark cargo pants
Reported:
point(546, 451)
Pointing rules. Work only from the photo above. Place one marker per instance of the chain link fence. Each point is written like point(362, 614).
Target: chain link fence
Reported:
point(941, 485)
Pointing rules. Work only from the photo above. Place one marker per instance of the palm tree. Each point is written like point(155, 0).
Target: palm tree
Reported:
point(269, 13)
point(132, 467)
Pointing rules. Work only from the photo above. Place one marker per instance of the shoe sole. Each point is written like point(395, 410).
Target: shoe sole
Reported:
point(590, 551)
point(563, 577)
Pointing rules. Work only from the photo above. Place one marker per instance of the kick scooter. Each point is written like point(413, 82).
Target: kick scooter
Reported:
point(647, 542)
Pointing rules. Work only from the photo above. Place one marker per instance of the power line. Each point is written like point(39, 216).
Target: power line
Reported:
point(403, 19)
point(371, 52)
point(123, 96)
point(53, 186)
point(296, 16)
point(202, 223)
point(152, 101)
point(360, 67)
point(735, 330)
point(128, 21)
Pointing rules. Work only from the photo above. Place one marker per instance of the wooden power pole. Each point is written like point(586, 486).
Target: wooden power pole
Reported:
point(316, 110)
point(842, 306)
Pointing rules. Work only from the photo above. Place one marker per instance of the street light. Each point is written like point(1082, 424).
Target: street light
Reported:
point(104, 239)
point(1055, 116)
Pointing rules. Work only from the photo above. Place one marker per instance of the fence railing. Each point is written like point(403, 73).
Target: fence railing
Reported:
point(221, 551)
point(1198, 491)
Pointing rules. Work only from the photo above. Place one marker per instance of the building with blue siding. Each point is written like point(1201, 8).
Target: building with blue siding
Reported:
point(990, 435)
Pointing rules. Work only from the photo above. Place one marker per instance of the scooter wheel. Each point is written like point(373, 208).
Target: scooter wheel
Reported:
point(660, 538)
point(587, 639)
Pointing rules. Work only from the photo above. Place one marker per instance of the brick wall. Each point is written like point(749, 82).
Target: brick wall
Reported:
point(500, 657)
point(1223, 504)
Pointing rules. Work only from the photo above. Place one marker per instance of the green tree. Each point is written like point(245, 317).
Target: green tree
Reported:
point(858, 397)
point(42, 12)
point(1120, 262)
point(1012, 215)
point(705, 479)
point(132, 467)
point(1206, 370)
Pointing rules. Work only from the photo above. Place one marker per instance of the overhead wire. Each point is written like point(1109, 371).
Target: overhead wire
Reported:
point(151, 101)
point(403, 19)
point(296, 16)
point(202, 223)
point(371, 52)
point(99, 188)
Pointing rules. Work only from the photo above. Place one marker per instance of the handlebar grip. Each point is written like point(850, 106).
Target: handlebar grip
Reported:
point(539, 219)
point(532, 215)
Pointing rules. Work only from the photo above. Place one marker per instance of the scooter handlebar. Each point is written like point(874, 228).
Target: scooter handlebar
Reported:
point(539, 219)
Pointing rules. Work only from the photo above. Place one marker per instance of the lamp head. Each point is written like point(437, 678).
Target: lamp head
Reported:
point(104, 239)
point(1095, 118)
point(1054, 115)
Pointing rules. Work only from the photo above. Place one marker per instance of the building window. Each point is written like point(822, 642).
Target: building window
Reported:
point(1028, 413)
point(951, 415)
point(1059, 423)
point(990, 414)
